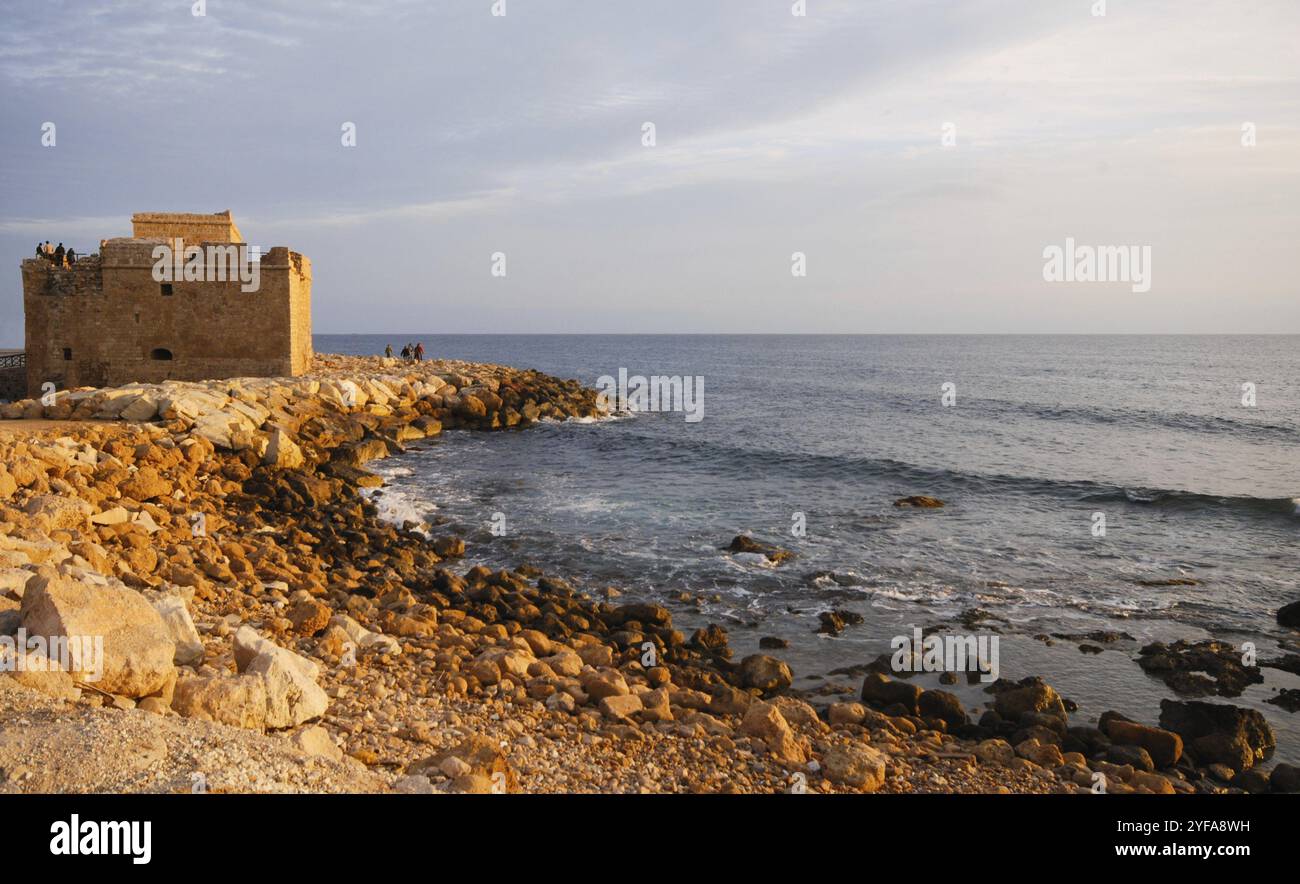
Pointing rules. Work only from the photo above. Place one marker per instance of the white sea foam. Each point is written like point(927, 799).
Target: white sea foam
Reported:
point(398, 508)
point(753, 560)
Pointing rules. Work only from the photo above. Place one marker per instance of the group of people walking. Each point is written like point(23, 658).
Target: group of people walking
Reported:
point(409, 351)
point(57, 255)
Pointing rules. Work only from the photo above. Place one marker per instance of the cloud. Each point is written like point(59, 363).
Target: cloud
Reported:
point(771, 130)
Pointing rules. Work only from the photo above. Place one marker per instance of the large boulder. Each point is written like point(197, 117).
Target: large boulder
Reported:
point(364, 451)
point(222, 427)
point(1285, 778)
point(645, 614)
point(1217, 733)
point(180, 626)
point(1289, 615)
point(292, 694)
point(366, 639)
point(1029, 695)
point(1165, 747)
point(884, 691)
point(282, 452)
point(995, 751)
point(944, 706)
point(187, 403)
point(238, 701)
point(764, 721)
point(855, 764)
point(137, 648)
point(765, 673)
point(142, 408)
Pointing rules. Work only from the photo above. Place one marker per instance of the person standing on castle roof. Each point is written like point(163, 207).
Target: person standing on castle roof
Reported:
point(58, 256)
point(72, 257)
point(419, 352)
point(49, 250)
point(40, 250)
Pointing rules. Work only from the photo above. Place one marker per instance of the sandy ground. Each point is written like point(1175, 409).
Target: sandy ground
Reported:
point(56, 746)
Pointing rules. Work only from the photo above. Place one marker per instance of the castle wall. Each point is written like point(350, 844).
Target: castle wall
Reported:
point(106, 322)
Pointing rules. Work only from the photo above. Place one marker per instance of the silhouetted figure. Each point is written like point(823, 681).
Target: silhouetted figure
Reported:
point(388, 351)
point(419, 352)
point(72, 257)
point(406, 351)
point(58, 256)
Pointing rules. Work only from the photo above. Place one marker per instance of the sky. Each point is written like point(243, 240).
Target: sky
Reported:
point(920, 155)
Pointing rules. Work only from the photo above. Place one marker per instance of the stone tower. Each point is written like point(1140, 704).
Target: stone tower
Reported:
point(107, 320)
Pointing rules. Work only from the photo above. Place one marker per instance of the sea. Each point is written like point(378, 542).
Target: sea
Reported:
point(1079, 473)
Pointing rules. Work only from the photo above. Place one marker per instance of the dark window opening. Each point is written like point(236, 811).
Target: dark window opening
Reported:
point(166, 288)
point(160, 353)
point(67, 353)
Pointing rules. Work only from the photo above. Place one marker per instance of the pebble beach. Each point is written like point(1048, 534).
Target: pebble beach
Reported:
point(266, 630)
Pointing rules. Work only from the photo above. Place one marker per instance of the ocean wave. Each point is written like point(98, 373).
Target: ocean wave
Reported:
point(1192, 500)
point(1140, 418)
point(1002, 411)
point(745, 461)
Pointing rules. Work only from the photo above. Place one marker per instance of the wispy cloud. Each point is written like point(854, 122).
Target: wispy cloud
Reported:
point(772, 133)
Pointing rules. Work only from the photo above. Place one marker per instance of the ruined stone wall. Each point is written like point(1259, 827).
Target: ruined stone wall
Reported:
point(106, 321)
point(297, 270)
point(193, 228)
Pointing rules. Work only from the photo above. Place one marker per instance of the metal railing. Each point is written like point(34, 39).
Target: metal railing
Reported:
point(13, 360)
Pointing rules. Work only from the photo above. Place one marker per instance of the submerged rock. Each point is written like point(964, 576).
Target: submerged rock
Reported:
point(743, 543)
point(834, 622)
point(920, 501)
point(1180, 666)
point(1289, 615)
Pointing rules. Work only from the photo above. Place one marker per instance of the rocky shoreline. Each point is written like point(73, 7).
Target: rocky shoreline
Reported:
point(215, 535)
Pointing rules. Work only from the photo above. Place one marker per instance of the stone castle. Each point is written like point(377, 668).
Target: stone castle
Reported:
point(106, 320)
